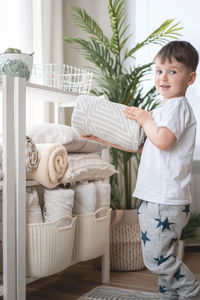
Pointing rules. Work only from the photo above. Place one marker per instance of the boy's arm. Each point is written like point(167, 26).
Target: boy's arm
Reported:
point(94, 138)
point(162, 137)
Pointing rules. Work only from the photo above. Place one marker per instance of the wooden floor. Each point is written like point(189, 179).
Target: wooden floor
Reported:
point(81, 278)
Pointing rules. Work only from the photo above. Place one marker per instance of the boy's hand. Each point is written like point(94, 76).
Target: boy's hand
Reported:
point(139, 115)
point(94, 138)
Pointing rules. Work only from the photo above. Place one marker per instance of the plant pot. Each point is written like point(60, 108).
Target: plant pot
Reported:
point(125, 242)
point(16, 64)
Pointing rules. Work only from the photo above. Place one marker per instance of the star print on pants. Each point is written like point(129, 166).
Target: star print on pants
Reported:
point(162, 289)
point(165, 224)
point(161, 259)
point(178, 275)
point(186, 209)
point(144, 237)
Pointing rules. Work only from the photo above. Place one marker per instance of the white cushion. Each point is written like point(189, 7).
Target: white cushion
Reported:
point(62, 134)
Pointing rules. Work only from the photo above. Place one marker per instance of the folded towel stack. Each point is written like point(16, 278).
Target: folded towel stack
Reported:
point(58, 203)
point(82, 162)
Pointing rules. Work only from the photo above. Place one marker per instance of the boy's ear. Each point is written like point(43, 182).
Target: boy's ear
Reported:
point(192, 78)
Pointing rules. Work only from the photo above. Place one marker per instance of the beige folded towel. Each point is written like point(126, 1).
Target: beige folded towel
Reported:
point(52, 166)
point(83, 167)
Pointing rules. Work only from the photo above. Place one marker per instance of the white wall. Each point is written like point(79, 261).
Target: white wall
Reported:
point(97, 10)
point(149, 15)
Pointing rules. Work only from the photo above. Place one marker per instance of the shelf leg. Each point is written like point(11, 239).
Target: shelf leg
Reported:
point(20, 136)
point(105, 263)
point(9, 248)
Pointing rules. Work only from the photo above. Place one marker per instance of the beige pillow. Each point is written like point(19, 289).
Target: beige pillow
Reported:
point(63, 134)
point(86, 167)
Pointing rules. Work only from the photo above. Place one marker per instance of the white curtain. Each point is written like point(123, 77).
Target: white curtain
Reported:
point(34, 26)
point(48, 38)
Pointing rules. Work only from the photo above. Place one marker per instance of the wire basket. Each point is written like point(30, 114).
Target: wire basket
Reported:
point(61, 76)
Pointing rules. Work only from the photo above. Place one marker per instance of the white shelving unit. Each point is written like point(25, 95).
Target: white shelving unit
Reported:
point(14, 92)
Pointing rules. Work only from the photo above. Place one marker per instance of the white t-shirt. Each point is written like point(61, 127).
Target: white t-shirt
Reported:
point(164, 175)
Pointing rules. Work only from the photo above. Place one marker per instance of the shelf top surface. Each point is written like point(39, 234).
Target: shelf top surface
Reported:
point(49, 94)
point(28, 183)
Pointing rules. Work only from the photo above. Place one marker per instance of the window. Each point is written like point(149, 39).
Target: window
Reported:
point(149, 15)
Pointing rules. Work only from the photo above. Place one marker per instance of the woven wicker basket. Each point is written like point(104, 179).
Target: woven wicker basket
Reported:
point(125, 247)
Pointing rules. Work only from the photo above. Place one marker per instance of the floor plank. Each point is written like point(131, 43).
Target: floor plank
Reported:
point(81, 278)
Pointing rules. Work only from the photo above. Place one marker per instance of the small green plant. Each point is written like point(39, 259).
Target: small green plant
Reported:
point(16, 51)
point(15, 63)
point(123, 85)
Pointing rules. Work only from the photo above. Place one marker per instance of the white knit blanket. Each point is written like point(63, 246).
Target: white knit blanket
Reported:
point(105, 119)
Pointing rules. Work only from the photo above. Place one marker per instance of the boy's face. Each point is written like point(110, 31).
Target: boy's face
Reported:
point(172, 78)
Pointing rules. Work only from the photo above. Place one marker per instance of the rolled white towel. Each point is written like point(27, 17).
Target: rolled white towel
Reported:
point(84, 198)
point(58, 203)
point(102, 194)
point(33, 209)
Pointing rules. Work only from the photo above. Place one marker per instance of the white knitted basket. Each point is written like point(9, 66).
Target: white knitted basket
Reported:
point(49, 247)
point(92, 234)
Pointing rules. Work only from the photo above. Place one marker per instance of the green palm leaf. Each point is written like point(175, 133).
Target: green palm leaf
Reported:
point(88, 24)
point(160, 36)
point(98, 54)
point(116, 11)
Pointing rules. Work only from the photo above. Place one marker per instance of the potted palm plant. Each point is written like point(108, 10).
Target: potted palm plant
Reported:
point(119, 83)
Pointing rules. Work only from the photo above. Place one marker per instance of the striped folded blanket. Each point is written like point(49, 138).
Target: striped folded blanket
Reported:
point(95, 115)
point(32, 156)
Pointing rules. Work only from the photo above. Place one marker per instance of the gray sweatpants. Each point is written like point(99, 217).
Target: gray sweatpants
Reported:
point(161, 227)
